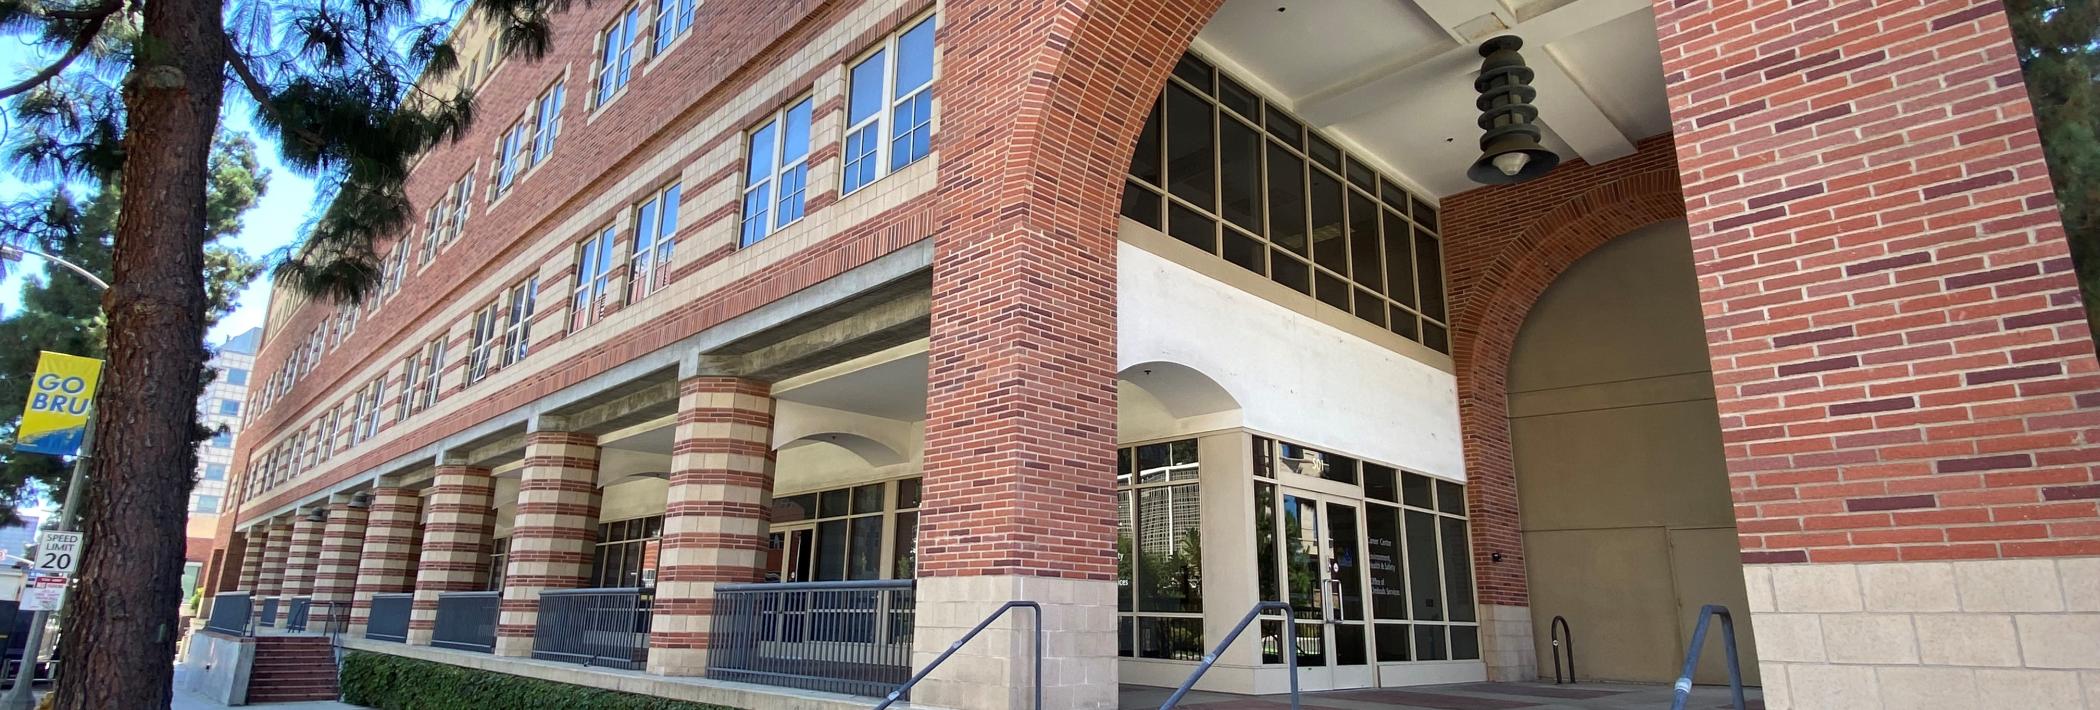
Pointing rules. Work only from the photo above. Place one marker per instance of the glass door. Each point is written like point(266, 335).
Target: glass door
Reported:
point(789, 557)
point(1324, 579)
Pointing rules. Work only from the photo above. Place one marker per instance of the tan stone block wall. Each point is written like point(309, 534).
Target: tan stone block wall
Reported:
point(2021, 633)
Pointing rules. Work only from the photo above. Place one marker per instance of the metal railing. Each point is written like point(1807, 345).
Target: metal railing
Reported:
point(1037, 649)
point(389, 617)
point(231, 613)
point(841, 637)
point(295, 620)
point(1691, 657)
point(466, 621)
point(1560, 627)
point(1290, 655)
point(594, 627)
point(269, 613)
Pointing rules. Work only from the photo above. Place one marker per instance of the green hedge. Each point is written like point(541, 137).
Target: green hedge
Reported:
point(389, 682)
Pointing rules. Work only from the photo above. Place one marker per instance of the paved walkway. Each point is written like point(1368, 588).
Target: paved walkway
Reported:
point(1464, 696)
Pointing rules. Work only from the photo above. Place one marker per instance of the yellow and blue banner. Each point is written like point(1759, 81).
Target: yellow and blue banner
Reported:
point(59, 399)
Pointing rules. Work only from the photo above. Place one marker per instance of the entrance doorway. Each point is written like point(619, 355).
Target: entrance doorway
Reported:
point(1323, 556)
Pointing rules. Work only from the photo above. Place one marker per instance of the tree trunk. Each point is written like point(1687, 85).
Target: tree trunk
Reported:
point(120, 642)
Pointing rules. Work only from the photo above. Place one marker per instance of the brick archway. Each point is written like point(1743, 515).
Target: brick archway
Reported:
point(1503, 247)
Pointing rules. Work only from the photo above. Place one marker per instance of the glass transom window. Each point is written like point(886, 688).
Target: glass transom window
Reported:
point(1220, 168)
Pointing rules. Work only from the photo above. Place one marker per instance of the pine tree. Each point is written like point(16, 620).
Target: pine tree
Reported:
point(135, 89)
point(2059, 44)
point(63, 313)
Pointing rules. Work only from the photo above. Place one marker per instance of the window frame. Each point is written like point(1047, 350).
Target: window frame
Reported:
point(686, 9)
point(587, 294)
point(482, 339)
point(648, 260)
point(517, 328)
point(882, 119)
point(546, 121)
point(628, 23)
point(777, 170)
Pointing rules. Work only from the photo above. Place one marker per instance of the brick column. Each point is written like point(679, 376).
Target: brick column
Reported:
point(1905, 378)
point(715, 515)
point(253, 542)
point(556, 525)
point(457, 524)
point(387, 563)
point(341, 542)
point(1021, 428)
point(303, 556)
point(276, 549)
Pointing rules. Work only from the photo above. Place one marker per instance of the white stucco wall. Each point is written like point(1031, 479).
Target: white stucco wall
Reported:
point(1292, 375)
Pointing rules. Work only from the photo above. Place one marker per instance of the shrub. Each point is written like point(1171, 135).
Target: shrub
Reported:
point(390, 682)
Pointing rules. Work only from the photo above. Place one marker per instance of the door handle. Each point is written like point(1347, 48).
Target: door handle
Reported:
point(1334, 600)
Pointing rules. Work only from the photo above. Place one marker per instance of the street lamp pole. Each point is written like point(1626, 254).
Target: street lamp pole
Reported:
point(20, 696)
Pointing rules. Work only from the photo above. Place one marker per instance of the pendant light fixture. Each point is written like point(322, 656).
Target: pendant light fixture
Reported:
point(1509, 144)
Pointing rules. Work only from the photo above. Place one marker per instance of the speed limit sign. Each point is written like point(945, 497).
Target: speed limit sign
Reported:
point(58, 551)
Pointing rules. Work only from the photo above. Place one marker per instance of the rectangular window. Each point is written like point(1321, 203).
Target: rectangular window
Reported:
point(616, 56)
point(410, 375)
point(206, 504)
point(374, 395)
point(1160, 556)
point(230, 407)
point(593, 277)
point(433, 373)
point(215, 472)
point(462, 194)
point(655, 223)
point(482, 350)
point(547, 122)
point(776, 172)
point(889, 107)
point(626, 554)
point(673, 18)
point(236, 376)
point(517, 326)
point(507, 152)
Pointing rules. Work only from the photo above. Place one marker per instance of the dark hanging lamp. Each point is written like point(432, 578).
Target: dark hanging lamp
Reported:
point(1509, 146)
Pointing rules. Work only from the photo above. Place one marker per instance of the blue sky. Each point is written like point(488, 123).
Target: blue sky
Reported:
point(275, 221)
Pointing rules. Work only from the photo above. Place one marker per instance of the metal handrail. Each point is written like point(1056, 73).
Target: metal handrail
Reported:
point(1683, 688)
point(1560, 624)
point(1290, 652)
point(897, 694)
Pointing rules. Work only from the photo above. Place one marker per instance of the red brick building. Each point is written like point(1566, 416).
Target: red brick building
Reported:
point(1152, 310)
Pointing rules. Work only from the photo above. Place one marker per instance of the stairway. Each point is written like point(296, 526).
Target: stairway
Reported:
point(292, 668)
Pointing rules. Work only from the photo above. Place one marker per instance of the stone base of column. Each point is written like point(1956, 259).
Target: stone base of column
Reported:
point(1967, 633)
point(422, 617)
point(1507, 643)
point(513, 646)
point(996, 670)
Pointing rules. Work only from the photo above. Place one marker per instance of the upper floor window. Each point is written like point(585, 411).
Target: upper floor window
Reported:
point(616, 56)
point(230, 407)
point(206, 504)
point(655, 224)
point(369, 410)
point(1221, 169)
point(433, 374)
point(236, 376)
point(482, 350)
point(215, 472)
point(776, 173)
point(593, 277)
point(673, 18)
point(889, 107)
point(411, 373)
point(517, 327)
point(509, 157)
point(222, 439)
point(456, 203)
point(546, 121)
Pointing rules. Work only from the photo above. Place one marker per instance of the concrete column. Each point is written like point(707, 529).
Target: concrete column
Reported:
point(457, 523)
point(715, 515)
point(303, 556)
point(387, 563)
point(341, 542)
point(253, 542)
point(556, 526)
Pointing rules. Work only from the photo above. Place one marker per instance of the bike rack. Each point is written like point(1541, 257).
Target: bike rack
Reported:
point(1558, 627)
point(1683, 689)
point(898, 694)
point(1290, 652)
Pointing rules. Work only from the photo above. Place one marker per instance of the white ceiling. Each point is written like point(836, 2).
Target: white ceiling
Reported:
point(1395, 77)
point(895, 389)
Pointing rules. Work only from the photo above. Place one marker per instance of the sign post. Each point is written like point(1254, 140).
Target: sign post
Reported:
point(59, 420)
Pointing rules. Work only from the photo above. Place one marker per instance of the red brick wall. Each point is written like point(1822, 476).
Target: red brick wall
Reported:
point(1502, 247)
point(1042, 101)
point(735, 44)
point(1902, 366)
